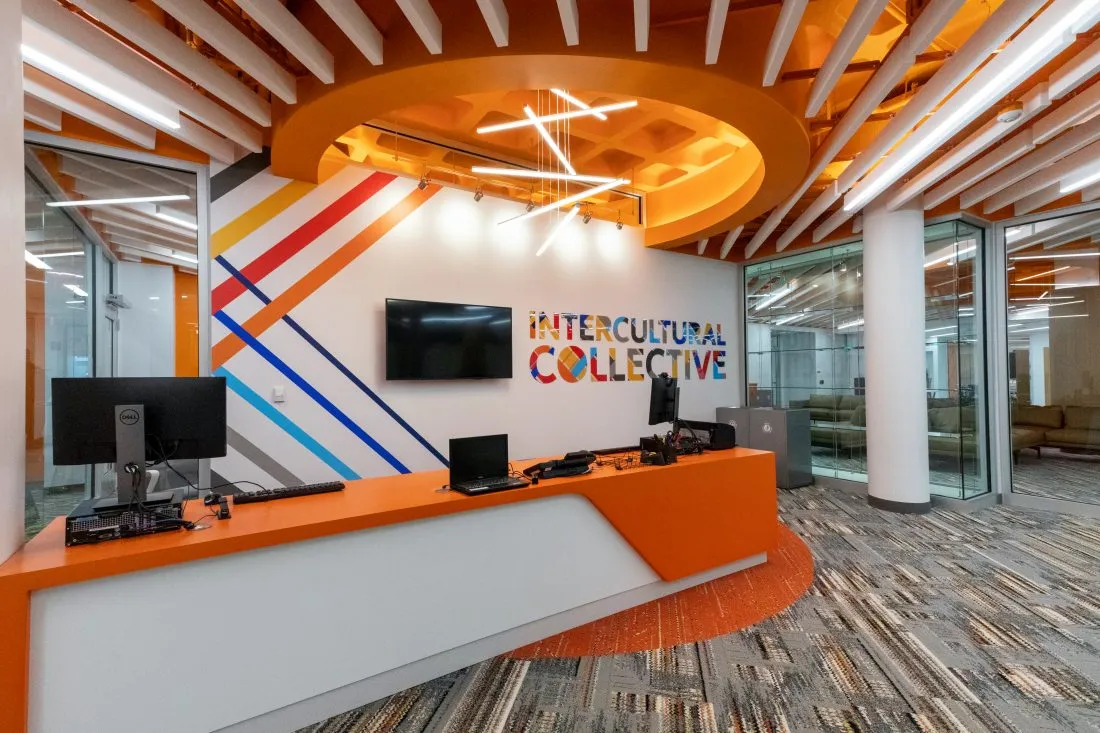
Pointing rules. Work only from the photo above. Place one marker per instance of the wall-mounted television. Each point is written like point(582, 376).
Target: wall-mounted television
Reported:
point(426, 340)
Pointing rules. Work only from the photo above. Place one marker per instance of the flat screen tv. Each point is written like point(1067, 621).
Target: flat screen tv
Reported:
point(427, 340)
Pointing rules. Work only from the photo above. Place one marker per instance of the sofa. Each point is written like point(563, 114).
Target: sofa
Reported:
point(1036, 427)
point(830, 407)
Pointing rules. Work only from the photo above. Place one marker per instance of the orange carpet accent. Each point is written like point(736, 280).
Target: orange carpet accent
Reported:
point(722, 606)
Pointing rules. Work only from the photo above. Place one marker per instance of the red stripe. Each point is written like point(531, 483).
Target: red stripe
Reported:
point(297, 240)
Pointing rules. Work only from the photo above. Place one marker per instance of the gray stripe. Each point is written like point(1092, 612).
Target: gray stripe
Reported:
point(263, 461)
point(236, 174)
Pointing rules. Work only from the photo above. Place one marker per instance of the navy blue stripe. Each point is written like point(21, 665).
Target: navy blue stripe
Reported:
point(309, 389)
point(252, 287)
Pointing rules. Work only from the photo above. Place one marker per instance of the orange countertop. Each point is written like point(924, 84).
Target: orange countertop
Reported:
point(703, 512)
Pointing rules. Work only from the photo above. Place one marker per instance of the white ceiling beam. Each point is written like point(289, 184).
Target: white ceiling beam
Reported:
point(144, 177)
point(130, 23)
point(79, 170)
point(570, 21)
point(1056, 242)
point(90, 39)
point(716, 27)
point(702, 246)
point(208, 24)
point(496, 17)
point(1037, 200)
point(137, 240)
point(354, 23)
point(855, 31)
point(1076, 71)
point(41, 113)
point(1034, 102)
point(893, 70)
point(1074, 112)
point(1039, 42)
point(1067, 225)
point(132, 228)
point(828, 226)
point(1090, 193)
point(790, 15)
point(86, 107)
point(641, 25)
point(198, 137)
point(1044, 178)
point(425, 22)
point(274, 18)
point(1033, 162)
point(729, 241)
point(148, 255)
point(1016, 147)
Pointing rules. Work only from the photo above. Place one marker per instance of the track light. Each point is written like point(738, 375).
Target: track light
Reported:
point(423, 182)
point(587, 214)
point(479, 194)
point(619, 222)
point(530, 206)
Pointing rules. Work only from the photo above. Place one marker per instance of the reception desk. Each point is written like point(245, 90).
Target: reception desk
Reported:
point(295, 610)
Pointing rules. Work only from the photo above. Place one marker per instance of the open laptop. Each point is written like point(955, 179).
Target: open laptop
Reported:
point(479, 465)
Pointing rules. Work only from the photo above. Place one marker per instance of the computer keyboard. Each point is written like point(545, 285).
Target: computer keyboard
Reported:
point(486, 485)
point(287, 492)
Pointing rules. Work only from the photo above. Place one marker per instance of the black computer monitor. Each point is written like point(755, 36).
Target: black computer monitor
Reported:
point(480, 457)
point(184, 417)
point(664, 400)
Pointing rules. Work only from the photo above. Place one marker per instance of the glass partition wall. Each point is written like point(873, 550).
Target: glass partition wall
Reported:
point(804, 344)
point(1053, 341)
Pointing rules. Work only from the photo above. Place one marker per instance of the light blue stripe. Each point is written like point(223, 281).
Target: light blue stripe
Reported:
point(307, 441)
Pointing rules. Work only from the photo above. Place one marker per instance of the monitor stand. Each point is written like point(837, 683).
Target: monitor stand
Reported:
point(131, 475)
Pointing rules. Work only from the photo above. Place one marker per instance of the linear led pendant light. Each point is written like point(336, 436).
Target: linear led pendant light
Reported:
point(1026, 53)
point(558, 229)
point(524, 173)
point(548, 139)
point(126, 200)
point(97, 89)
point(590, 112)
point(1076, 184)
point(34, 261)
point(576, 102)
point(572, 199)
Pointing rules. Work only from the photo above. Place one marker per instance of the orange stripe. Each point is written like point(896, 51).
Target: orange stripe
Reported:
point(229, 346)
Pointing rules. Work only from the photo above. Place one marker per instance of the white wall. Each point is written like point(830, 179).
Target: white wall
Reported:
point(147, 330)
point(452, 249)
point(13, 298)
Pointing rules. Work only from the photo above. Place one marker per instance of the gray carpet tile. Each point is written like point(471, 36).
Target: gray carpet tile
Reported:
point(1058, 475)
point(987, 622)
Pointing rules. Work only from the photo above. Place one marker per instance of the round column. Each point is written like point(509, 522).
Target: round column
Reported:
point(893, 313)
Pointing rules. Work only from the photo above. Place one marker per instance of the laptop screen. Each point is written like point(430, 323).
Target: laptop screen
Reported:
point(485, 456)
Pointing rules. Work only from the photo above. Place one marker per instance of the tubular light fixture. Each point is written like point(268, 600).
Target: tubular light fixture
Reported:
point(127, 200)
point(568, 200)
point(557, 230)
point(177, 221)
point(1023, 60)
point(76, 253)
point(775, 297)
point(523, 173)
point(1063, 256)
point(77, 290)
point(185, 258)
point(850, 324)
point(1079, 183)
point(82, 81)
point(951, 256)
point(34, 261)
point(549, 140)
point(576, 102)
point(1041, 274)
point(1043, 318)
point(1029, 330)
point(590, 112)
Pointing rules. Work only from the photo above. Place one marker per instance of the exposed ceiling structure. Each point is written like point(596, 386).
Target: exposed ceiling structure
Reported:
point(889, 98)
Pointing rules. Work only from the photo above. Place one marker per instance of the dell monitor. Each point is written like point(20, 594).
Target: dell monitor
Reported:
point(123, 420)
point(664, 400)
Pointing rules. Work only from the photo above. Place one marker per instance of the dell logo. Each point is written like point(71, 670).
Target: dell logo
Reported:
point(129, 417)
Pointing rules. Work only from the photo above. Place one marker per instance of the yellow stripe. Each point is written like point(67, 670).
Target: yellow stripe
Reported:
point(257, 216)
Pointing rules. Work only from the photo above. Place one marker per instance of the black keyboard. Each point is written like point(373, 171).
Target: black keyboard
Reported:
point(286, 492)
point(482, 486)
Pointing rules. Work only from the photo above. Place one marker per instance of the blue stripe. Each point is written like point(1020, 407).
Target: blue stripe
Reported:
point(286, 424)
point(255, 290)
point(309, 389)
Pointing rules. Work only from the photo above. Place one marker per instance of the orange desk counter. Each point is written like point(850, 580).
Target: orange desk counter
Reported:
point(702, 513)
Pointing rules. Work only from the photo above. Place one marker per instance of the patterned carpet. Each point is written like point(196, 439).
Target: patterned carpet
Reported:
point(1058, 475)
point(982, 622)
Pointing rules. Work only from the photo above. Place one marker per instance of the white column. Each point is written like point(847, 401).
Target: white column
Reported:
point(893, 312)
point(13, 299)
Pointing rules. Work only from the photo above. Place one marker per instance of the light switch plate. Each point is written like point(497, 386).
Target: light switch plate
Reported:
point(278, 393)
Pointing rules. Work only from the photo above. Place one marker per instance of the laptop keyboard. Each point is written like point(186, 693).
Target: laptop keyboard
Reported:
point(489, 483)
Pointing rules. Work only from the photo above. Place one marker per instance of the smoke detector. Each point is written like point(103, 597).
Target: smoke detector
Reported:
point(1010, 112)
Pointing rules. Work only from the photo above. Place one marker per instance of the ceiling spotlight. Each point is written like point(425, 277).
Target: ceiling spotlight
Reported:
point(587, 214)
point(1010, 113)
point(619, 222)
point(531, 205)
point(479, 194)
point(423, 182)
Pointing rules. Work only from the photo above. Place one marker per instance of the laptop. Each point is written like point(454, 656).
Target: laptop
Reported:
point(479, 465)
